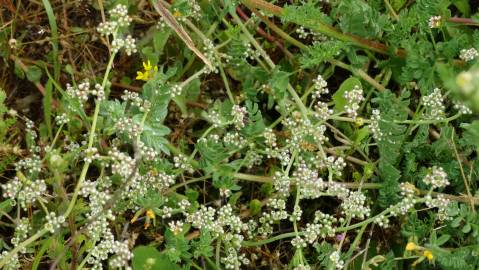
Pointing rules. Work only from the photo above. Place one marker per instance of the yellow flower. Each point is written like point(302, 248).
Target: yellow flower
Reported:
point(142, 75)
point(359, 121)
point(147, 66)
point(150, 71)
point(150, 214)
point(428, 255)
point(177, 14)
point(411, 246)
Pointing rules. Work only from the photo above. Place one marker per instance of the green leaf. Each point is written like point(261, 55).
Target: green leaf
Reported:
point(443, 239)
point(5, 206)
point(463, 6)
point(307, 15)
point(47, 106)
point(471, 134)
point(34, 74)
point(338, 97)
point(321, 52)
point(279, 82)
point(255, 207)
point(148, 258)
point(466, 228)
point(177, 246)
point(203, 247)
point(357, 17)
point(159, 40)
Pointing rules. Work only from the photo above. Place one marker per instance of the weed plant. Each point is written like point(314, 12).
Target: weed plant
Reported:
point(225, 134)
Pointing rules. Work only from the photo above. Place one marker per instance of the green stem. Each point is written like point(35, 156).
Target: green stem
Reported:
point(426, 122)
point(91, 138)
point(21, 246)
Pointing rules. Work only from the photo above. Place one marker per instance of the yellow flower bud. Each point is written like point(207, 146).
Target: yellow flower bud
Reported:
point(359, 121)
point(150, 214)
point(411, 246)
point(428, 255)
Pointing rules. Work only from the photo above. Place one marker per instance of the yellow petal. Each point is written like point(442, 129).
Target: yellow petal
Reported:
point(150, 214)
point(428, 255)
point(147, 65)
point(142, 75)
point(411, 246)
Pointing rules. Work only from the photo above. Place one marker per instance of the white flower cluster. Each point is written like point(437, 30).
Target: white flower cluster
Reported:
point(97, 216)
point(335, 164)
point(24, 193)
point(441, 203)
point(323, 226)
point(308, 181)
point(53, 222)
point(338, 190)
point(437, 178)
point(219, 222)
point(128, 126)
point(304, 34)
point(304, 134)
point(121, 163)
point(320, 87)
point(468, 54)
point(135, 99)
point(181, 161)
point(268, 218)
point(233, 260)
point(83, 90)
point(298, 243)
point(159, 181)
point(12, 263)
point(118, 19)
point(281, 183)
point(61, 119)
point(269, 137)
point(176, 227)
point(215, 118)
point(250, 53)
point(374, 125)
point(322, 111)
point(91, 154)
point(355, 206)
point(408, 193)
point(302, 267)
point(336, 260)
point(353, 98)
point(209, 51)
point(32, 165)
point(108, 245)
point(146, 152)
point(462, 108)
point(434, 104)
point(175, 90)
point(435, 22)
point(22, 229)
point(240, 115)
point(234, 139)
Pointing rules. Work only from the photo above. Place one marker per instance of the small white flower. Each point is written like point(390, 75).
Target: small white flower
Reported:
point(435, 22)
point(434, 104)
point(468, 54)
point(437, 178)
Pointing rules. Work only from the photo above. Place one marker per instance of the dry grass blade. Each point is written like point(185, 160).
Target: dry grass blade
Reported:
point(171, 21)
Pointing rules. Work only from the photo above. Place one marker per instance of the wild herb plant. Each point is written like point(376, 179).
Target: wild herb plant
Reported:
point(251, 135)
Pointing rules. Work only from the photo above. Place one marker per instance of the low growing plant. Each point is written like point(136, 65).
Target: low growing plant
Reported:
point(251, 135)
